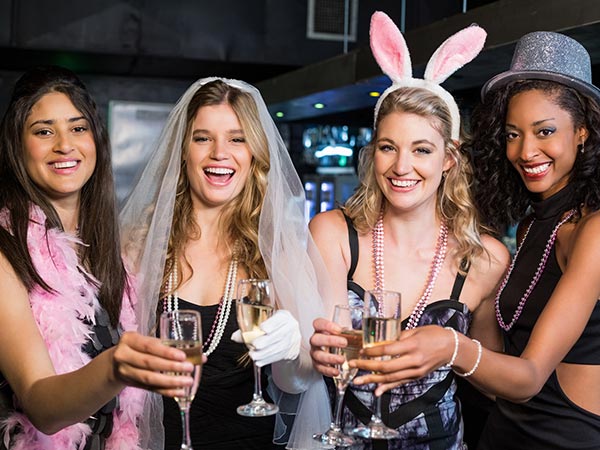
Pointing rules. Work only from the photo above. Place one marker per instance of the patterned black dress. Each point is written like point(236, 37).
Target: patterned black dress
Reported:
point(426, 412)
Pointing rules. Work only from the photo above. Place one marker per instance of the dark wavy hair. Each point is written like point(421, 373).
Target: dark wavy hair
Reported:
point(500, 194)
point(98, 226)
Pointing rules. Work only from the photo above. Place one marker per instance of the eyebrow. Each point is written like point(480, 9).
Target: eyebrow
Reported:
point(52, 121)
point(420, 141)
point(202, 130)
point(534, 124)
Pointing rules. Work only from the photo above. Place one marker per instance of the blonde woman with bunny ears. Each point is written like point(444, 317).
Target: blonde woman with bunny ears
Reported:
point(414, 216)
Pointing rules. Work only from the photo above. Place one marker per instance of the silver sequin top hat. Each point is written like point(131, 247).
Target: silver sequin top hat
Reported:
point(545, 55)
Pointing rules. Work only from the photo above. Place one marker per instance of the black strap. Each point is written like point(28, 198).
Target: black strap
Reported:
point(406, 412)
point(353, 241)
point(459, 281)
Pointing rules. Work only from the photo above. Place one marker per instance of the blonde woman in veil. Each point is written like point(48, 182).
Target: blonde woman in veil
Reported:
point(218, 202)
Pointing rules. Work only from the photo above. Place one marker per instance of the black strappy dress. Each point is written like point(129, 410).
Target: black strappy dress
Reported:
point(426, 412)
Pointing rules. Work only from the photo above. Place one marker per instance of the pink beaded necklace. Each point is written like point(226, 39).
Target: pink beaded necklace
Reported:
point(536, 277)
point(436, 266)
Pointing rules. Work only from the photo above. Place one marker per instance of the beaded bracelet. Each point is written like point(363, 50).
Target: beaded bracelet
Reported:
point(455, 353)
point(472, 371)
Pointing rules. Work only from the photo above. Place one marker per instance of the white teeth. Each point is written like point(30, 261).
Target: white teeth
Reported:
point(65, 164)
point(219, 170)
point(537, 169)
point(404, 183)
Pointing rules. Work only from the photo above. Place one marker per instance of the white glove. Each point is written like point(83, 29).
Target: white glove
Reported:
point(237, 337)
point(281, 340)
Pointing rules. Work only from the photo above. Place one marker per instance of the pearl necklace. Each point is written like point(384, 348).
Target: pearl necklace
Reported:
point(436, 266)
point(171, 303)
point(536, 277)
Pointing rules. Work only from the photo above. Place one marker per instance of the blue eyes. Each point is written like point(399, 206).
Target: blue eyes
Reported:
point(391, 148)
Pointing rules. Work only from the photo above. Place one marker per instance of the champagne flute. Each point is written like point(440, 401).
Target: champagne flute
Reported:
point(349, 318)
point(254, 305)
point(381, 325)
point(182, 329)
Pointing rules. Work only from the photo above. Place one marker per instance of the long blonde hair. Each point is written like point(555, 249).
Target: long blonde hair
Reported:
point(454, 201)
point(239, 219)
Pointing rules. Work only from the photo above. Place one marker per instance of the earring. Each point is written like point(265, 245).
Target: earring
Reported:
point(581, 148)
point(444, 173)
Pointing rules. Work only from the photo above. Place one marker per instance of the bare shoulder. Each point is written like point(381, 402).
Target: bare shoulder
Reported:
point(585, 235)
point(496, 256)
point(328, 224)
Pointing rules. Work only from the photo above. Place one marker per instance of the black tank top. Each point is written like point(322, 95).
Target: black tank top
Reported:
point(426, 412)
point(549, 420)
point(227, 382)
point(547, 213)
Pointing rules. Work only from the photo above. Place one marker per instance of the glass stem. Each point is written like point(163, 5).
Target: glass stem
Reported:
point(376, 418)
point(257, 386)
point(186, 442)
point(337, 412)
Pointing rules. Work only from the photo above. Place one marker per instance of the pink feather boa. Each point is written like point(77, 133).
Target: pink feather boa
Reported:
point(58, 317)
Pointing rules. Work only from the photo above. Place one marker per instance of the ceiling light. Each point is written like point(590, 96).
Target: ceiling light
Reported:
point(374, 94)
point(279, 114)
point(318, 106)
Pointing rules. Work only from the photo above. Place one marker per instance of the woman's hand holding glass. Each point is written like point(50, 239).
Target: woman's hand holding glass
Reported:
point(281, 339)
point(255, 305)
point(145, 362)
point(349, 321)
point(419, 352)
point(381, 326)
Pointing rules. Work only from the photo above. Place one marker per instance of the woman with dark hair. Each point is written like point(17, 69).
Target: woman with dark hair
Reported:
point(536, 149)
point(65, 296)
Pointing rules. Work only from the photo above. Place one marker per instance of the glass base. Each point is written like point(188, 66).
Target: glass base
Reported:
point(257, 408)
point(333, 438)
point(375, 431)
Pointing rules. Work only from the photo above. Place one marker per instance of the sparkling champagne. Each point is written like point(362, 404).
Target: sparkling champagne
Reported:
point(250, 316)
point(193, 353)
point(380, 331)
point(351, 351)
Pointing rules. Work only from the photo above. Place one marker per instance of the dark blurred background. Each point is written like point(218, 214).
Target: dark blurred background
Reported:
point(310, 59)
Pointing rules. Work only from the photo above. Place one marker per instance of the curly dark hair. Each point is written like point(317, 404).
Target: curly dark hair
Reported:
point(500, 195)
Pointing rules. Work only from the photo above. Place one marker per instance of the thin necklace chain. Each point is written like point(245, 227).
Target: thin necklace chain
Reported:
point(171, 302)
point(536, 277)
point(436, 266)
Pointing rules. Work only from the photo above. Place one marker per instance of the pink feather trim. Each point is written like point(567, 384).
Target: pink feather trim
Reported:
point(58, 316)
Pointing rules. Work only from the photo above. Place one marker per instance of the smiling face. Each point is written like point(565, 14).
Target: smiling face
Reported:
point(409, 160)
point(60, 152)
point(541, 141)
point(218, 157)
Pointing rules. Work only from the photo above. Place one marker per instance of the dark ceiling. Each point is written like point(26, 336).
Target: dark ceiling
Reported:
point(264, 42)
point(343, 83)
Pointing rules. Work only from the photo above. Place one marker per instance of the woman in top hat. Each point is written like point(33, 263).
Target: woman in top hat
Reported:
point(536, 145)
point(413, 216)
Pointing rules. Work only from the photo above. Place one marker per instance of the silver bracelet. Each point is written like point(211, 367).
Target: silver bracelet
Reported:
point(455, 353)
point(472, 371)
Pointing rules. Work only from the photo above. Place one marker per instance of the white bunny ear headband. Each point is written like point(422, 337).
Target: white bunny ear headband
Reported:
point(391, 53)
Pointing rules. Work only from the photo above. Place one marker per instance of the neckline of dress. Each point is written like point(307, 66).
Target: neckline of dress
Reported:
point(554, 205)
